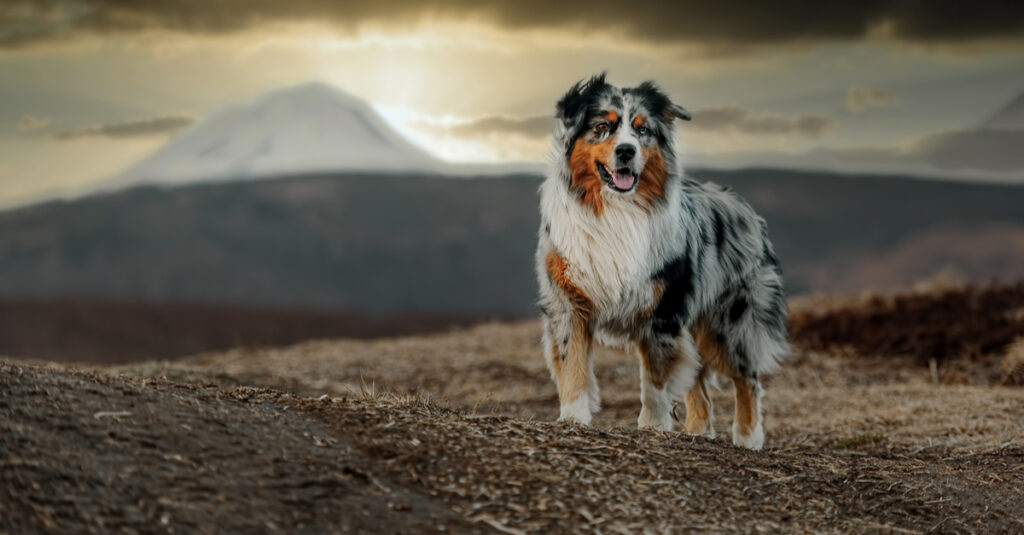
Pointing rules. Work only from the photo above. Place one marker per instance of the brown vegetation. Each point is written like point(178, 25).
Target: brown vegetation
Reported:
point(973, 324)
point(456, 432)
point(103, 453)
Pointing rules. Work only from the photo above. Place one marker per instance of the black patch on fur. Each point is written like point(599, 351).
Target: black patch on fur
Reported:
point(737, 309)
point(773, 315)
point(652, 98)
point(657, 103)
point(547, 228)
point(673, 309)
point(578, 105)
point(719, 230)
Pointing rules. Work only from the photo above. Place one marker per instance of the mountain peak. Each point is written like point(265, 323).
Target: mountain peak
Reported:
point(309, 128)
point(314, 90)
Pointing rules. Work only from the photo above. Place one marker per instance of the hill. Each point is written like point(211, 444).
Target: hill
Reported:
point(387, 243)
point(454, 433)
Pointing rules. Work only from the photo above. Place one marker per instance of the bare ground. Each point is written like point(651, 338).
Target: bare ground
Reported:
point(453, 432)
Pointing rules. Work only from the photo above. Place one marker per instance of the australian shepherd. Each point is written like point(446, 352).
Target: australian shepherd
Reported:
point(633, 254)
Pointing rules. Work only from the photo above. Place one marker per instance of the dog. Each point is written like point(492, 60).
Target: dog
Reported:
point(633, 254)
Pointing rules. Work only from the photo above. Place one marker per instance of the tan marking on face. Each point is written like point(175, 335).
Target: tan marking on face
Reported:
point(586, 179)
point(638, 121)
point(651, 186)
point(611, 116)
point(746, 406)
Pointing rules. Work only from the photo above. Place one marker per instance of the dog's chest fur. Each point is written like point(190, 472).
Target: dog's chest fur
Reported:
point(611, 257)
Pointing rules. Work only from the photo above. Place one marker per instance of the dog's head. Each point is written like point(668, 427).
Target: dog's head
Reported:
point(617, 138)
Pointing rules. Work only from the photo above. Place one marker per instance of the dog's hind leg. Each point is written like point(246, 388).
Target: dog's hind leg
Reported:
point(668, 370)
point(700, 415)
point(747, 428)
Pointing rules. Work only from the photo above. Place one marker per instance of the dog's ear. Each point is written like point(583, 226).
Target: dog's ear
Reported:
point(659, 103)
point(571, 107)
point(680, 112)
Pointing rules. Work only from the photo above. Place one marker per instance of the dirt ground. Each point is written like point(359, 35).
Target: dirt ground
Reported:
point(453, 433)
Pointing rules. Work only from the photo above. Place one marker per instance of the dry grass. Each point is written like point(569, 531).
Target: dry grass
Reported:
point(1012, 365)
point(817, 401)
point(172, 458)
point(856, 442)
point(461, 423)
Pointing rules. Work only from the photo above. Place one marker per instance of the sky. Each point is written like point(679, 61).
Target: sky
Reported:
point(87, 88)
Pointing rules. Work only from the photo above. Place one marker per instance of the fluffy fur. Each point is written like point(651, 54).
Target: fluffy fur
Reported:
point(633, 254)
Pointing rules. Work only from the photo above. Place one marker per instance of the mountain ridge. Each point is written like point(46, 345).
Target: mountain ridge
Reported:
point(312, 127)
point(387, 243)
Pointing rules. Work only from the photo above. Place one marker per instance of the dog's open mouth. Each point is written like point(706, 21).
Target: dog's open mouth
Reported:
point(621, 180)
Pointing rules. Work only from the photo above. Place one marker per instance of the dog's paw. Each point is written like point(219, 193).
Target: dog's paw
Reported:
point(648, 420)
point(707, 432)
point(577, 412)
point(754, 441)
point(595, 401)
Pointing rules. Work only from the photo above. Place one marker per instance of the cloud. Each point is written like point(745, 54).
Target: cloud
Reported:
point(984, 149)
point(735, 119)
point(152, 126)
point(29, 123)
point(537, 127)
point(744, 22)
point(993, 150)
point(861, 99)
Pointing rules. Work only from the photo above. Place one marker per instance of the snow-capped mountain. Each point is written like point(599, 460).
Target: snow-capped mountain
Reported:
point(304, 129)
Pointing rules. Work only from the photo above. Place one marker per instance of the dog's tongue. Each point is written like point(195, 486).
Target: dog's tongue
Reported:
point(623, 180)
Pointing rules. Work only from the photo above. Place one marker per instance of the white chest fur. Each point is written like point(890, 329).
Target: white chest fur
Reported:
point(610, 256)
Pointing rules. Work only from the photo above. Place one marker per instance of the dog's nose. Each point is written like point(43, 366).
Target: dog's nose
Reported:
point(625, 152)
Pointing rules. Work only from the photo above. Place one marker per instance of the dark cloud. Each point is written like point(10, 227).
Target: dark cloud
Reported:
point(532, 127)
point(153, 126)
point(745, 121)
point(745, 22)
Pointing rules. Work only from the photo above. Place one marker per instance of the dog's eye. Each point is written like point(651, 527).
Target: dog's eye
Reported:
point(643, 130)
point(601, 127)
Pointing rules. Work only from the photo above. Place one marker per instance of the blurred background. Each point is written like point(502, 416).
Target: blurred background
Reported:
point(177, 177)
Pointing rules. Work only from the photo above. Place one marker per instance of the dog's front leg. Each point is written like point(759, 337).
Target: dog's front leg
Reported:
point(568, 350)
point(668, 370)
point(568, 336)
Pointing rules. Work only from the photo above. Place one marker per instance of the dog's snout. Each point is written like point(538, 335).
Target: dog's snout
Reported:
point(625, 152)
